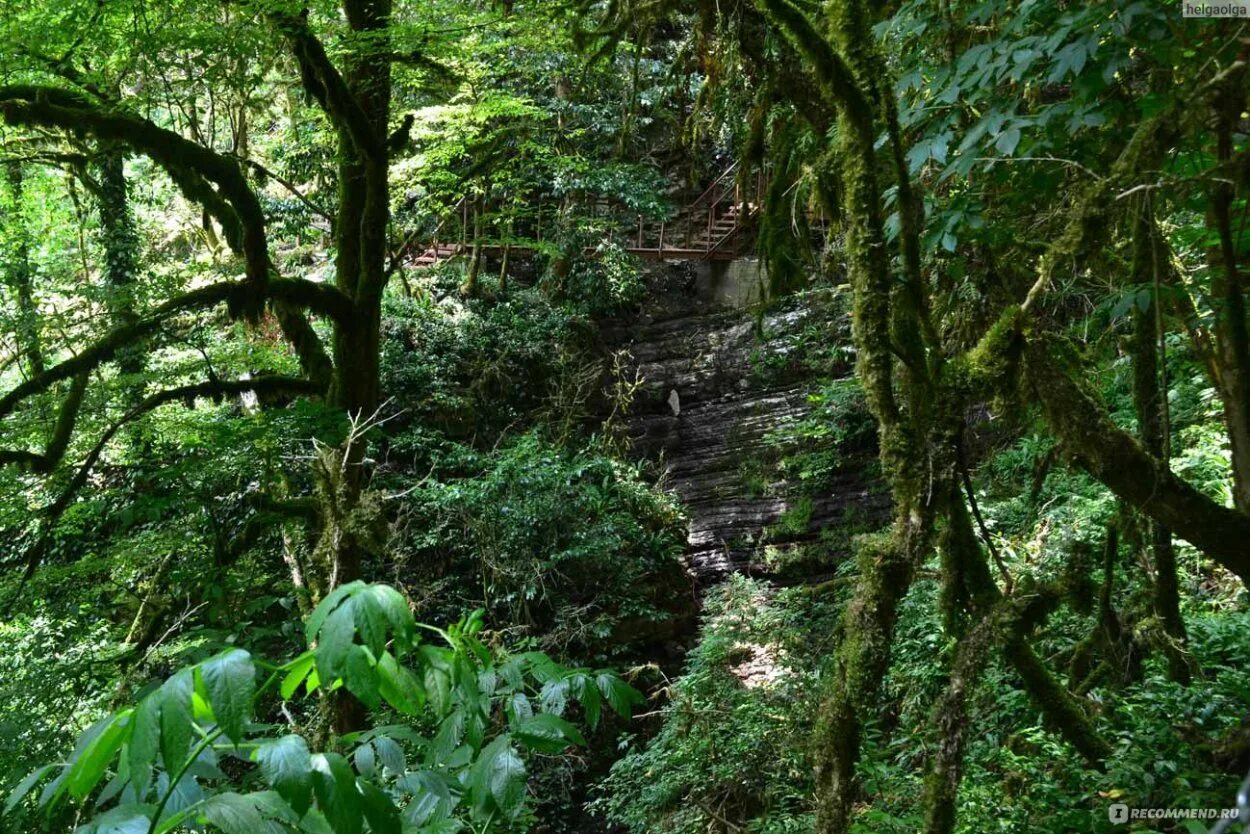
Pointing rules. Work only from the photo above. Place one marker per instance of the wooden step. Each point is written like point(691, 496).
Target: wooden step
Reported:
point(434, 254)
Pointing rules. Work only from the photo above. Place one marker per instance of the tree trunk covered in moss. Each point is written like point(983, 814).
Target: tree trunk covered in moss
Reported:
point(19, 273)
point(887, 562)
point(919, 399)
point(356, 103)
point(120, 240)
point(1150, 401)
point(1228, 289)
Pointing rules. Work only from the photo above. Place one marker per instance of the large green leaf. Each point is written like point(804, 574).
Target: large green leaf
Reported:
point(438, 690)
point(370, 620)
point(230, 679)
point(548, 733)
point(145, 741)
point(392, 602)
point(382, 611)
point(432, 799)
point(286, 765)
point(380, 811)
point(620, 695)
point(298, 670)
point(26, 785)
point(334, 641)
point(390, 754)
point(361, 677)
point(334, 785)
point(232, 813)
point(327, 605)
point(499, 775)
point(592, 705)
point(507, 778)
point(399, 686)
point(124, 819)
point(366, 760)
point(176, 718)
point(92, 758)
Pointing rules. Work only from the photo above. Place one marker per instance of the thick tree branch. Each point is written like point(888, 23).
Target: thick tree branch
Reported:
point(303, 294)
point(831, 71)
point(61, 433)
point(193, 167)
point(107, 347)
point(266, 387)
point(327, 86)
point(1089, 223)
point(1113, 456)
point(289, 294)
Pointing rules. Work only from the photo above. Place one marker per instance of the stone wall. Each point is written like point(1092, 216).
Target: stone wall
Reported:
point(718, 379)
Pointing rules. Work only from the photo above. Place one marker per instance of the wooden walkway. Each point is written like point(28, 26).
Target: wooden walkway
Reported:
point(708, 228)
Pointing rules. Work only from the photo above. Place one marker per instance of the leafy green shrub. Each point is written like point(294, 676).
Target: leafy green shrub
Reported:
point(817, 446)
point(572, 546)
point(473, 367)
point(597, 277)
point(731, 746)
point(194, 752)
point(54, 676)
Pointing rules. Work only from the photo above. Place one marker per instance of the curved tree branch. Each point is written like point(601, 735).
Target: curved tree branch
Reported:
point(327, 86)
point(265, 386)
point(59, 441)
point(107, 347)
point(1114, 457)
point(195, 168)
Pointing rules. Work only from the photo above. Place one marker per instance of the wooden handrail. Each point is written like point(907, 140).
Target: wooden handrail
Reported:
point(695, 202)
point(728, 203)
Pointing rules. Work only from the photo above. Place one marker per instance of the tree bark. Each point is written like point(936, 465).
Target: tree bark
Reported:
point(120, 240)
point(20, 274)
point(1080, 420)
point(1228, 291)
point(1150, 401)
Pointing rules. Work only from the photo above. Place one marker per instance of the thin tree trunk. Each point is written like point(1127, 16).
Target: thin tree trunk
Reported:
point(20, 274)
point(1228, 291)
point(1150, 400)
point(120, 241)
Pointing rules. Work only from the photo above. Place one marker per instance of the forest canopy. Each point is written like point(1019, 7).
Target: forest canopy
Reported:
point(670, 416)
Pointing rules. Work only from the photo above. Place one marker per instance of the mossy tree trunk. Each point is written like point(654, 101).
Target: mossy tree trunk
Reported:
point(356, 100)
point(120, 241)
point(919, 393)
point(920, 387)
point(18, 271)
point(1150, 401)
point(1228, 289)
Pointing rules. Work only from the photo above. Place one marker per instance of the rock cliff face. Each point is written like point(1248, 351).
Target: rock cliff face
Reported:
point(719, 387)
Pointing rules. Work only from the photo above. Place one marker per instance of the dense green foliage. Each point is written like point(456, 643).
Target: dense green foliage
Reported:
point(316, 324)
point(170, 751)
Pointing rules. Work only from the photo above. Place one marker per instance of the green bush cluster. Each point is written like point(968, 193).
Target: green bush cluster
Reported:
point(730, 750)
point(475, 366)
point(569, 545)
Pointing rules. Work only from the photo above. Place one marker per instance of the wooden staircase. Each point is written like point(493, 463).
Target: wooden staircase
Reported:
point(709, 227)
point(435, 253)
